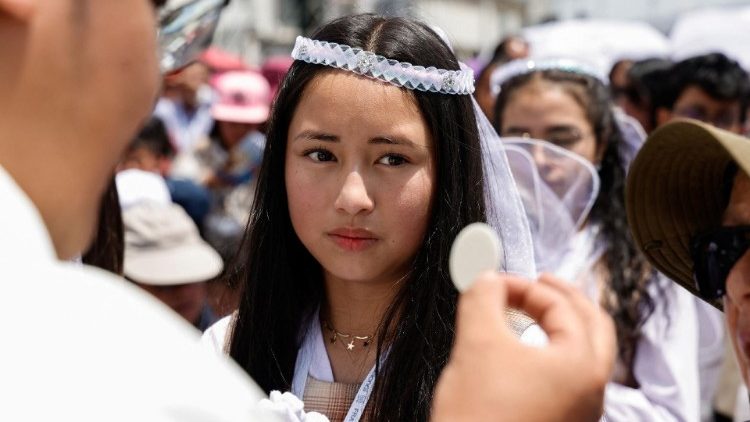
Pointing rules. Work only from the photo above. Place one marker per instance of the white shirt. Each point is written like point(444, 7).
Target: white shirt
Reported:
point(216, 339)
point(79, 344)
point(186, 130)
point(666, 360)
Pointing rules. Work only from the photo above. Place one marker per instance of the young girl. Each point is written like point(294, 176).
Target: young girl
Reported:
point(657, 376)
point(372, 166)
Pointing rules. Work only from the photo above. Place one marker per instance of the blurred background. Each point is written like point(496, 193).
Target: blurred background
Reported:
point(257, 29)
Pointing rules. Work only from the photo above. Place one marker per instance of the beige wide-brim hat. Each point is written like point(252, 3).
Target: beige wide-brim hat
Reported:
point(163, 247)
point(676, 189)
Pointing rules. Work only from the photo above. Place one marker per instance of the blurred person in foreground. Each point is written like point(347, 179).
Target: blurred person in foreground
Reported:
point(711, 88)
point(688, 202)
point(80, 354)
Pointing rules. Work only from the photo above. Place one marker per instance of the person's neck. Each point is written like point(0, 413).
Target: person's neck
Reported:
point(357, 308)
point(354, 309)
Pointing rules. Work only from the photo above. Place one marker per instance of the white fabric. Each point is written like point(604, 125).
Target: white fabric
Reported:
point(742, 408)
point(82, 345)
point(666, 360)
point(216, 339)
point(599, 41)
point(136, 186)
point(711, 334)
point(558, 189)
point(710, 30)
point(666, 366)
point(519, 67)
point(430, 79)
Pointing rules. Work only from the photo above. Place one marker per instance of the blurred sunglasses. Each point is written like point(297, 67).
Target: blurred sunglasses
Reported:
point(185, 31)
point(714, 254)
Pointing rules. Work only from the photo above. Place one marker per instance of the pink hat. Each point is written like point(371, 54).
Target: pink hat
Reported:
point(244, 97)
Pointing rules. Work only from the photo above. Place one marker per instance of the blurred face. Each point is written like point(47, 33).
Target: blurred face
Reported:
point(232, 133)
point(359, 177)
point(695, 103)
point(737, 298)
point(541, 110)
point(185, 299)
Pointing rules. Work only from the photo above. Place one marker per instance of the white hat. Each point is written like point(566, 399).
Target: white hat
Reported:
point(135, 186)
point(163, 247)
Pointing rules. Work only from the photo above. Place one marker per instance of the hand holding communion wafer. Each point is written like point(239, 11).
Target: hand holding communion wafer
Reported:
point(491, 375)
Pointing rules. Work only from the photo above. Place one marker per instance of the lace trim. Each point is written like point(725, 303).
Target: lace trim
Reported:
point(430, 79)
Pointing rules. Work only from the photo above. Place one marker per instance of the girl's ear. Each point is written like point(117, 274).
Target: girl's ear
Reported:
point(19, 10)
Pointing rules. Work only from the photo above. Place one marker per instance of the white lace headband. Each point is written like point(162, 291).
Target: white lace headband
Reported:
point(515, 68)
point(366, 63)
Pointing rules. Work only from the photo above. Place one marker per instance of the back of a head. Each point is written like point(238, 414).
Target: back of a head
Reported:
point(153, 136)
point(719, 76)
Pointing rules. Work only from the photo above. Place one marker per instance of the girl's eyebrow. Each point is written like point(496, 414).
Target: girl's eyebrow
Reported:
point(311, 135)
point(384, 140)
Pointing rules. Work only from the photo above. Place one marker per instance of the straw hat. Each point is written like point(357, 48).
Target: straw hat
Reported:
point(676, 189)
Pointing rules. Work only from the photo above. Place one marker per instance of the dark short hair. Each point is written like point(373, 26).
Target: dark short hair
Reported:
point(647, 88)
point(154, 137)
point(719, 76)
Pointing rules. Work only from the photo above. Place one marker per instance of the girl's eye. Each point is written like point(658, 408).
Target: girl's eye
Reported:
point(320, 155)
point(392, 160)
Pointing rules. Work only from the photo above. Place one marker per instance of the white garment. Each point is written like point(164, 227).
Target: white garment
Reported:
point(82, 345)
point(666, 360)
point(216, 338)
point(711, 335)
point(186, 130)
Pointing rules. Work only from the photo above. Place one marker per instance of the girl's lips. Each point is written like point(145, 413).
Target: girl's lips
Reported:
point(352, 239)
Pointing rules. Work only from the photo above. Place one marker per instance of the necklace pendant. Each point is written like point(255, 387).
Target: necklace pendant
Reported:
point(350, 345)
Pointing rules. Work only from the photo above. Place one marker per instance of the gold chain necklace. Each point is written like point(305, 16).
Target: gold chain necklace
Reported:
point(348, 339)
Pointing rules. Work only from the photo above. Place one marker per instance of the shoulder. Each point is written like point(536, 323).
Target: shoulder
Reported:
point(94, 340)
point(216, 337)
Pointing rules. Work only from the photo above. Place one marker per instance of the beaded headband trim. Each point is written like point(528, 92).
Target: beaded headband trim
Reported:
point(522, 67)
point(366, 63)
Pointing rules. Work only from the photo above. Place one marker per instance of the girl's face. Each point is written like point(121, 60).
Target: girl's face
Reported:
point(359, 176)
point(543, 110)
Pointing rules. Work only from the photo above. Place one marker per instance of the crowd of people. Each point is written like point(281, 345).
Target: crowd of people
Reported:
point(300, 215)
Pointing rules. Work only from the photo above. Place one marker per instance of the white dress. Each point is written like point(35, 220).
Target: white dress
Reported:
point(666, 362)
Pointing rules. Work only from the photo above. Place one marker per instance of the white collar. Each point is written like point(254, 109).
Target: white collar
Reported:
point(320, 367)
point(24, 239)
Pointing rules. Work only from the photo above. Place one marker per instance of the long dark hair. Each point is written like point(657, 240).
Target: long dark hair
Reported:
point(282, 283)
point(107, 250)
point(626, 295)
